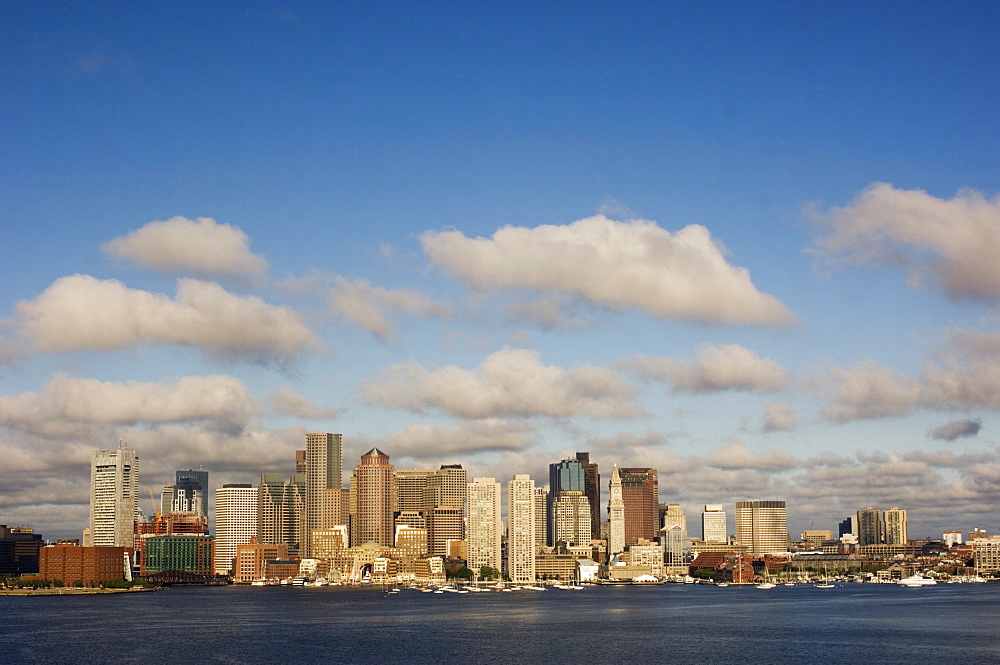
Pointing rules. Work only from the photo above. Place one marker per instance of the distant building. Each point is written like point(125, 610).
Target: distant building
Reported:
point(484, 532)
point(870, 527)
point(251, 560)
point(373, 500)
point(18, 551)
point(180, 552)
point(616, 515)
point(951, 538)
point(641, 497)
point(894, 520)
point(235, 522)
point(324, 461)
point(762, 526)
point(986, 552)
point(281, 511)
point(541, 516)
point(571, 518)
point(592, 490)
point(114, 497)
point(521, 529)
point(713, 524)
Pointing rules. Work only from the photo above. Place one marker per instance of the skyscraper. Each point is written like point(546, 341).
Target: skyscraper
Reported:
point(564, 476)
point(114, 497)
point(616, 515)
point(869, 525)
point(324, 467)
point(521, 529)
point(592, 489)
point(762, 526)
point(235, 522)
point(713, 524)
point(571, 519)
point(541, 516)
point(895, 526)
point(444, 507)
point(373, 488)
point(641, 495)
point(281, 511)
point(484, 533)
point(191, 492)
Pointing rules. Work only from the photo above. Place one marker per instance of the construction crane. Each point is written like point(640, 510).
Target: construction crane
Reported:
point(156, 511)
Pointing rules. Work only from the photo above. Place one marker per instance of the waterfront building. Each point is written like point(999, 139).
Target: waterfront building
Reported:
point(440, 497)
point(555, 566)
point(713, 524)
point(373, 491)
point(592, 490)
point(521, 529)
point(88, 565)
point(640, 494)
point(19, 548)
point(251, 560)
point(114, 497)
point(986, 554)
point(324, 461)
point(616, 515)
point(762, 526)
point(186, 552)
point(484, 532)
point(411, 541)
point(235, 522)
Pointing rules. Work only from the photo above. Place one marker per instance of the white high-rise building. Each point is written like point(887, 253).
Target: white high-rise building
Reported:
point(235, 522)
point(541, 516)
point(521, 529)
point(484, 532)
point(114, 497)
point(895, 526)
point(616, 515)
point(571, 518)
point(713, 524)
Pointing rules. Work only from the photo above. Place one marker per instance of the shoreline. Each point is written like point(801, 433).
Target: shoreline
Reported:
point(73, 591)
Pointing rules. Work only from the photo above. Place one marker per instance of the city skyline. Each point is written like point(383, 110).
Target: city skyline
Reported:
point(752, 248)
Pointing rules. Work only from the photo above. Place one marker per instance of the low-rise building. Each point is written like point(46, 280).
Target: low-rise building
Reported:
point(87, 565)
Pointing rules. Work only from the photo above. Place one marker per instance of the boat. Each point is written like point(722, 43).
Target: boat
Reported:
point(824, 585)
point(766, 585)
point(916, 580)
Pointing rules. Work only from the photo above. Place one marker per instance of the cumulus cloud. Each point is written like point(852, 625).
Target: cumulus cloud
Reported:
point(715, 368)
point(871, 391)
point(471, 437)
point(618, 265)
point(67, 403)
point(374, 307)
point(200, 246)
point(952, 242)
point(736, 455)
point(510, 382)
point(82, 313)
point(957, 429)
point(287, 401)
point(778, 417)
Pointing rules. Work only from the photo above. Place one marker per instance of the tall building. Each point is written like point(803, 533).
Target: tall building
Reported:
point(713, 524)
point(440, 497)
point(281, 511)
point(571, 519)
point(762, 526)
point(895, 526)
point(564, 476)
point(484, 532)
point(869, 523)
point(592, 490)
point(521, 529)
point(641, 495)
point(616, 515)
point(324, 468)
point(541, 516)
point(373, 490)
point(235, 522)
point(191, 492)
point(114, 497)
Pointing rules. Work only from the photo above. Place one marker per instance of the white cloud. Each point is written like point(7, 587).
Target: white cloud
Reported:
point(778, 417)
point(68, 405)
point(80, 312)
point(618, 265)
point(373, 307)
point(287, 401)
point(180, 245)
point(510, 382)
point(471, 437)
point(953, 242)
point(736, 455)
point(715, 368)
point(871, 391)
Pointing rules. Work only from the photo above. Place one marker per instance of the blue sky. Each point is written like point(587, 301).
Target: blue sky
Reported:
point(752, 246)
